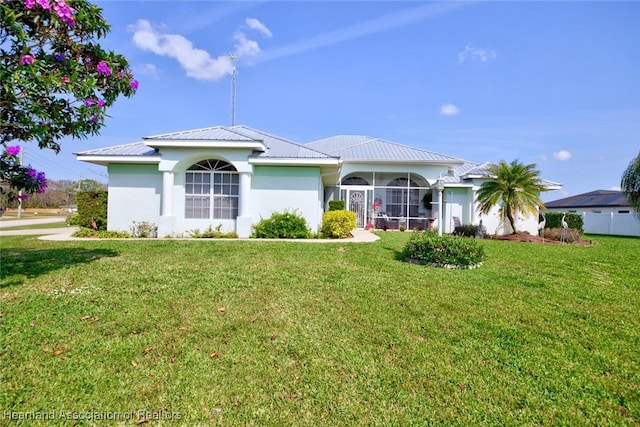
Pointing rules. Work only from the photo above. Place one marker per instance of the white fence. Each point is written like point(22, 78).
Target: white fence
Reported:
point(611, 223)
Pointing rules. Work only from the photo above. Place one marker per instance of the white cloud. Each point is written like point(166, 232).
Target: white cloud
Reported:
point(449, 110)
point(146, 69)
point(615, 188)
point(254, 24)
point(562, 155)
point(198, 63)
point(471, 52)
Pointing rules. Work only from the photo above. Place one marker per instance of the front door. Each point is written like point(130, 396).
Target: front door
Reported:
point(357, 202)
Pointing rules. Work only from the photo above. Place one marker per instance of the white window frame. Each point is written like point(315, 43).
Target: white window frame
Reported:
point(212, 191)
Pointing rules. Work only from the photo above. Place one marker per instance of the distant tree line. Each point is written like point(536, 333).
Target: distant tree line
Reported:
point(57, 194)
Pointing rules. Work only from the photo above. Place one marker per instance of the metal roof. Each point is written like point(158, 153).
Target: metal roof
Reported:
point(593, 199)
point(365, 148)
point(216, 133)
point(135, 149)
point(276, 147)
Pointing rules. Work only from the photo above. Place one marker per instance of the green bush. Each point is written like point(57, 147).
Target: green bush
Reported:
point(144, 229)
point(573, 220)
point(211, 233)
point(73, 220)
point(92, 209)
point(443, 251)
point(100, 234)
point(338, 224)
point(337, 205)
point(282, 225)
point(467, 230)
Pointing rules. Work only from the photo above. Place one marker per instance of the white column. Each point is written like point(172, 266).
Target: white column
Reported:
point(440, 219)
point(245, 194)
point(167, 193)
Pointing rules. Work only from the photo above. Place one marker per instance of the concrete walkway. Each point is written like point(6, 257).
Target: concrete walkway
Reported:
point(60, 234)
point(6, 222)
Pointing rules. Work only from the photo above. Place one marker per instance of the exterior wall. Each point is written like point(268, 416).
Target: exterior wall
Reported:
point(280, 188)
point(177, 161)
point(134, 195)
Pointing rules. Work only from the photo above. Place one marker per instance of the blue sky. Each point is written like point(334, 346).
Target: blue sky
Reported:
point(551, 83)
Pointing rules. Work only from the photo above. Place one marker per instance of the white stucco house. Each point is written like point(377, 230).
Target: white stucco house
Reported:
point(234, 176)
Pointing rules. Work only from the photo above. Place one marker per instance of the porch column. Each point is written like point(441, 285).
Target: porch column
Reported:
point(440, 188)
point(245, 194)
point(243, 222)
point(167, 193)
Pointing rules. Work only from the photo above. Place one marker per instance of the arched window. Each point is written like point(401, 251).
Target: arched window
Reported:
point(211, 190)
point(403, 200)
point(354, 180)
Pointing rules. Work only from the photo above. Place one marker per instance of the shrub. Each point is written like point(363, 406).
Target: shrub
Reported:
point(337, 205)
point(443, 251)
point(571, 235)
point(467, 230)
point(100, 234)
point(574, 221)
point(92, 209)
point(338, 224)
point(73, 220)
point(144, 229)
point(284, 225)
point(211, 233)
point(402, 228)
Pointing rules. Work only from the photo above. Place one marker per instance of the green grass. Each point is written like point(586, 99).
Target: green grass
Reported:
point(289, 333)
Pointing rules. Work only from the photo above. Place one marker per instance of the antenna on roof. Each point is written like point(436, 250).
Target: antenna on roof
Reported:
point(233, 58)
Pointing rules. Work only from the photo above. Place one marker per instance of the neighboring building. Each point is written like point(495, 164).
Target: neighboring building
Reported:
point(603, 211)
point(234, 176)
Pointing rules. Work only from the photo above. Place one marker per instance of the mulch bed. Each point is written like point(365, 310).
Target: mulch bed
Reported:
point(523, 236)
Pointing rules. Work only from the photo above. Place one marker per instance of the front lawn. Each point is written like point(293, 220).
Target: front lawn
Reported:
point(290, 333)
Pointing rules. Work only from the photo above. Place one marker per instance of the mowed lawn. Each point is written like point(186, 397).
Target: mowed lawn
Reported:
point(288, 333)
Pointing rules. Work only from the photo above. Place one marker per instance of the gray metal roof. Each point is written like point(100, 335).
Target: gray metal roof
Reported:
point(365, 148)
point(216, 133)
point(135, 149)
point(593, 199)
point(278, 147)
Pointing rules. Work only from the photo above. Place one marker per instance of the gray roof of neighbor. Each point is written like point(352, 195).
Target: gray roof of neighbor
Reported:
point(277, 147)
point(363, 148)
point(593, 199)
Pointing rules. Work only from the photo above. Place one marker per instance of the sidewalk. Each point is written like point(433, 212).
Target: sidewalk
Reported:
point(60, 234)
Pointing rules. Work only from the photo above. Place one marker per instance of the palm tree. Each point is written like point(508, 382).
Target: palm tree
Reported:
point(630, 183)
point(515, 187)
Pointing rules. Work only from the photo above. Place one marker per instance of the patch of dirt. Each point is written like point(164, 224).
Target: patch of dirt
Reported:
point(523, 236)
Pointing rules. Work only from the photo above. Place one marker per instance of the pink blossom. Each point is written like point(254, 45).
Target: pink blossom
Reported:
point(120, 74)
point(14, 150)
point(44, 4)
point(27, 59)
point(103, 68)
point(88, 102)
point(65, 79)
point(23, 197)
point(29, 4)
point(64, 12)
point(134, 84)
point(100, 103)
point(94, 118)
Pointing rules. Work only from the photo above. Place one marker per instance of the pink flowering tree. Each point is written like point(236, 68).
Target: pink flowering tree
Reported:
point(55, 79)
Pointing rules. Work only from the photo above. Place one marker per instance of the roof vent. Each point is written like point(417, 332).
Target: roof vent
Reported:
point(450, 172)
